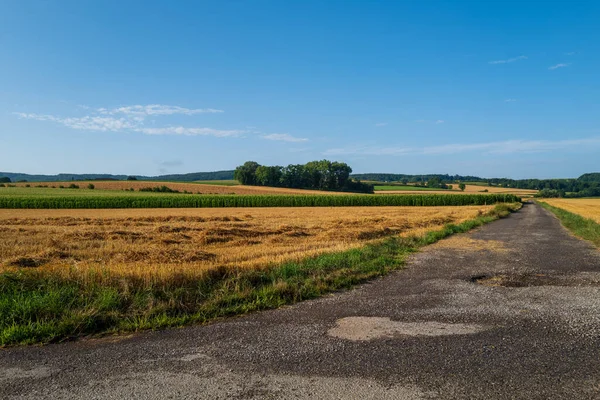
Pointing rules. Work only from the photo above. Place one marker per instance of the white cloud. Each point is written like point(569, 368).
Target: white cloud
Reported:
point(571, 53)
point(510, 60)
point(437, 121)
point(510, 100)
point(103, 124)
point(133, 118)
point(381, 124)
point(183, 131)
point(562, 65)
point(504, 147)
point(285, 137)
point(139, 111)
point(89, 123)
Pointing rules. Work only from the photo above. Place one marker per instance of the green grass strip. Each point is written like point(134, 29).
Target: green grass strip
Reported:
point(38, 307)
point(584, 228)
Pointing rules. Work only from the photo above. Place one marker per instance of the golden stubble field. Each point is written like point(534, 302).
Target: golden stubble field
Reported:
point(157, 243)
point(469, 189)
point(588, 208)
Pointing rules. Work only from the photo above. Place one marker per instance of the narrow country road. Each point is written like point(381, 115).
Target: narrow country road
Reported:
point(510, 311)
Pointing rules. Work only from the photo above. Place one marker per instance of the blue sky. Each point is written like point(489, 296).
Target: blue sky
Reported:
point(495, 89)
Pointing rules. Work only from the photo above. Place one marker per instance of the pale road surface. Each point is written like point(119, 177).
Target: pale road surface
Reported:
point(430, 331)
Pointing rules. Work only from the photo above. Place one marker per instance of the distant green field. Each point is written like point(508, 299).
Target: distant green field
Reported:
point(402, 187)
point(231, 182)
point(23, 197)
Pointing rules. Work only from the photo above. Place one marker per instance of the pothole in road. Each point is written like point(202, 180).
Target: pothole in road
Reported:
point(529, 280)
point(369, 328)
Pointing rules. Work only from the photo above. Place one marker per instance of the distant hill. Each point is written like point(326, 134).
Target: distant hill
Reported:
point(591, 177)
point(194, 176)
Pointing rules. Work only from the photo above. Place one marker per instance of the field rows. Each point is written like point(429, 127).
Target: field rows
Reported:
point(208, 201)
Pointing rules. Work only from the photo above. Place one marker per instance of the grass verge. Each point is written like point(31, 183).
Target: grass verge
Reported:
point(582, 227)
point(37, 307)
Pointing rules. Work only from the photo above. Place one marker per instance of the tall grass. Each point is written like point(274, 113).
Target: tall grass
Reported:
point(40, 307)
point(193, 201)
point(585, 228)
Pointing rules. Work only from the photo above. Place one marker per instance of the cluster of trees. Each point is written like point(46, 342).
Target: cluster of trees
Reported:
point(587, 185)
point(445, 178)
point(4, 179)
point(320, 175)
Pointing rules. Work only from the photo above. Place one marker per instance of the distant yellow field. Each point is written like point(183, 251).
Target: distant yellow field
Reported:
point(184, 186)
point(470, 189)
point(588, 208)
point(161, 243)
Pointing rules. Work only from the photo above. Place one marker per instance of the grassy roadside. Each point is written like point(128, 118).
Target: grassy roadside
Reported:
point(584, 228)
point(37, 307)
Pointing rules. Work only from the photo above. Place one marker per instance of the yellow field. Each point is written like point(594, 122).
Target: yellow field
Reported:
point(469, 189)
point(183, 186)
point(162, 242)
point(588, 208)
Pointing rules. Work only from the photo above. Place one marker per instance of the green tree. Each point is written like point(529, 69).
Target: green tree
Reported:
point(268, 176)
point(294, 176)
point(462, 186)
point(246, 174)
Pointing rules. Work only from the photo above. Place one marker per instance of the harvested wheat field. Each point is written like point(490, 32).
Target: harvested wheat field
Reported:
point(182, 186)
point(160, 242)
point(469, 189)
point(588, 208)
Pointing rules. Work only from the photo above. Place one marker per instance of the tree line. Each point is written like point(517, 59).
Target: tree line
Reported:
point(318, 175)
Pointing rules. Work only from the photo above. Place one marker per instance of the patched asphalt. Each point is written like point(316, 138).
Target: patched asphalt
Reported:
point(516, 319)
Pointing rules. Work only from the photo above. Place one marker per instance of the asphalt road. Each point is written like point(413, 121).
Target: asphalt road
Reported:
point(510, 311)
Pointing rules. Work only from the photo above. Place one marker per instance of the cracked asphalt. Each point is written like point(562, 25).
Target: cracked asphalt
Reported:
point(445, 327)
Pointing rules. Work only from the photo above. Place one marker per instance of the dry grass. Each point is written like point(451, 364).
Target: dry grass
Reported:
point(182, 186)
point(158, 243)
point(466, 243)
point(587, 208)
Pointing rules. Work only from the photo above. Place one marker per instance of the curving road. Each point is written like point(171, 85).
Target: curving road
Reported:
point(510, 311)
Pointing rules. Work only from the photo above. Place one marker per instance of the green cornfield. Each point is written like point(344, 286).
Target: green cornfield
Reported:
point(205, 201)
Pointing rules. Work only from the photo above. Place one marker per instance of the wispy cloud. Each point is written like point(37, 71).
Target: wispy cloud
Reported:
point(183, 131)
point(571, 53)
point(142, 111)
point(88, 123)
point(131, 119)
point(284, 137)
point(510, 60)
point(504, 147)
point(380, 124)
point(423, 121)
point(562, 65)
point(510, 100)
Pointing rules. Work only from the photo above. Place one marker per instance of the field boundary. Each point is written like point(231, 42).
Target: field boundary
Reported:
point(581, 227)
point(37, 307)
